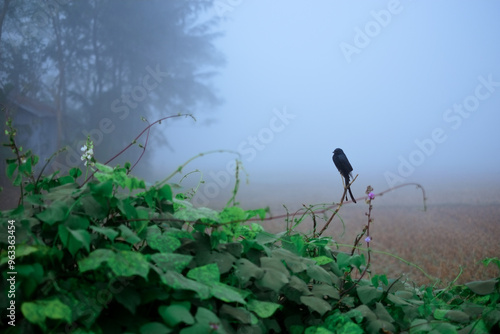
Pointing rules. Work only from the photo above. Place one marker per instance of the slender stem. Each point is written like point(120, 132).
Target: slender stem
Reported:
point(338, 208)
point(179, 169)
point(366, 231)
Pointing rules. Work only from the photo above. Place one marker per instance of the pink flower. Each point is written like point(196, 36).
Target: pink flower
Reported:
point(371, 195)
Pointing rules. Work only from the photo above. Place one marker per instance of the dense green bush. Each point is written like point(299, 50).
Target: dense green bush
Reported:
point(113, 255)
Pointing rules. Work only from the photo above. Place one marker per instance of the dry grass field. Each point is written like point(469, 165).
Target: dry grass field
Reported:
point(450, 234)
point(439, 240)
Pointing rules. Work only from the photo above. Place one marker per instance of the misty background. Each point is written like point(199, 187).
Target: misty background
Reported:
point(410, 90)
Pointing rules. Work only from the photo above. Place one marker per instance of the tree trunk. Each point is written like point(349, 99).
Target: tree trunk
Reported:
point(61, 89)
point(2, 17)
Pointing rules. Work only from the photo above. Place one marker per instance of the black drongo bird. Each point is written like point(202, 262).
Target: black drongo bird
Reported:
point(344, 167)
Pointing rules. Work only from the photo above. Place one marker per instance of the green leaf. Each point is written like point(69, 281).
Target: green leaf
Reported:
point(295, 262)
point(102, 189)
point(131, 182)
point(226, 293)
point(206, 317)
point(81, 240)
point(18, 180)
point(246, 270)
point(74, 240)
point(322, 260)
point(232, 214)
point(357, 260)
point(439, 314)
point(350, 328)
point(316, 304)
point(24, 250)
point(128, 235)
point(318, 330)
point(36, 199)
point(447, 328)
point(374, 326)
point(457, 316)
point(482, 287)
point(224, 260)
point(36, 312)
point(382, 313)
point(165, 193)
point(193, 214)
point(66, 180)
point(207, 274)
point(11, 168)
point(127, 263)
point(178, 282)
point(175, 314)
point(27, 167)
point(104, 168)
point(106, 231)
point(258, 212)
point(319, 274)
point(295, 289)
point(294, 243)
point(379, 278)
point(322, 290)
point(368, 294)
point(396, 300)
point(95, 206)
point(75, 172)
point(55, 213)
point(233, 248)
point(239, 314)
point(262, 308)
point(154, 328)
point(362, 312)
point(165, 242)
point(171, 261)
point(491, 316)
point(33, 275)
point(126, 208)
point(343, 260)
point(122, 263)
point(94, 260)
point(130, 298)
point(275, 274)
point(76, 222)
point(489, 260)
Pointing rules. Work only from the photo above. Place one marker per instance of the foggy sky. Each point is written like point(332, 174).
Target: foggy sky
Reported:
point(410, 90)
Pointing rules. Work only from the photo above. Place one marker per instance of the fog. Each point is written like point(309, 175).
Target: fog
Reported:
point(409, 90)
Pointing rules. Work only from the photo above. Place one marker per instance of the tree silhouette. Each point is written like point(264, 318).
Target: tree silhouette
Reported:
point(105, 64)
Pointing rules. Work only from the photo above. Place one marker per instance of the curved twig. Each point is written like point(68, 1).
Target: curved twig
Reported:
point(135, 140)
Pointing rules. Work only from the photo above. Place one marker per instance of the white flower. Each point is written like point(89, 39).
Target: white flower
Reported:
point(88, 152)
